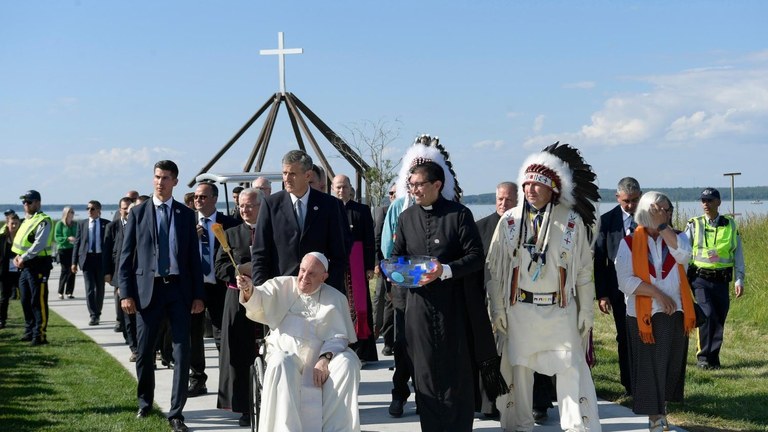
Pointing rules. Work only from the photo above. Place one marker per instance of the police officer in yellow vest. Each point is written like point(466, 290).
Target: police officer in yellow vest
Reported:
point(718, 259)
point(33, 246)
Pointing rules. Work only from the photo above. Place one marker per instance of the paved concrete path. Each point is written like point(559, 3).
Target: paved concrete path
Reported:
point(201, 413)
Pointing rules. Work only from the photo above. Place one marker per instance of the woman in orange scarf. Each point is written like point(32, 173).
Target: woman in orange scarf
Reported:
point(650, 266)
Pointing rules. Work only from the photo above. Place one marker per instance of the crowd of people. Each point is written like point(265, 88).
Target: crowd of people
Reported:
point(501, 326)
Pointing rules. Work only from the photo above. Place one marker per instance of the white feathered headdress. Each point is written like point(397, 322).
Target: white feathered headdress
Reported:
point(561, 168)
point(422, 150)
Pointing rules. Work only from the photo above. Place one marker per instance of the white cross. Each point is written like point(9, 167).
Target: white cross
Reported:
point(281, 52)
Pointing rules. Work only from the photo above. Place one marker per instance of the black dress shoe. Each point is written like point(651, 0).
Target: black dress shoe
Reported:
point(387, 351)
point(142, 413)
point(540, 416)
point(93, 322)
point(118, 328)
point(396, 408)
point(26, 338)
point(244, 420)
point(177, 425)
point(197, 390)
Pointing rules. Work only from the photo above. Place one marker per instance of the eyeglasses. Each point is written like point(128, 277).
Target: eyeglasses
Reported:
point(668, 210)
point(418, 185)
point(202, 197)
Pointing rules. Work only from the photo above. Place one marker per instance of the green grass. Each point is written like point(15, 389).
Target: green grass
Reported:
point(734, 397)
point(68, 385)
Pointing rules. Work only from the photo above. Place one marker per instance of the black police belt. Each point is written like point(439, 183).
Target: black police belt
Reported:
point(723, 275)
point(538, 299)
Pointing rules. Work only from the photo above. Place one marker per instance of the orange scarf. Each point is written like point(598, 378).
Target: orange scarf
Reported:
point(644, 304)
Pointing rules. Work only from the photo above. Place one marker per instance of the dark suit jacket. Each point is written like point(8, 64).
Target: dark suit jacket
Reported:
point(6, 254)
point(279, 246)
point(138, 254)
point(487, 226)
point(239, 239)
point(607, 244)
point(361, 227)
point(111, 249)
point(226, 222)
point(379, 215)
point(83, 241)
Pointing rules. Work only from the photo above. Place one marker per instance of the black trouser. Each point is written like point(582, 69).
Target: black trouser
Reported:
point(119, 315)
point(33, 283)
point(387, 330)
point(93, 273)
point(8, 284)
point(543, 391)
point(215, 294)
point(167, 305)
point(403, 366)
point(67, 278)
point(715, 303)
point(622, 346)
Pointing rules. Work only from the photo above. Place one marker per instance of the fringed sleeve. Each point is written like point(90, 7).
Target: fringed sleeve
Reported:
point(500, 262)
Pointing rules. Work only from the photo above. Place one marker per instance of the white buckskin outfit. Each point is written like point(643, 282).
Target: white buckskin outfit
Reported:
point(547, 302)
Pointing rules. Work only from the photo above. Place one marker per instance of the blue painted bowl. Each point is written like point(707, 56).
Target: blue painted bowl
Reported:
point(406, 271)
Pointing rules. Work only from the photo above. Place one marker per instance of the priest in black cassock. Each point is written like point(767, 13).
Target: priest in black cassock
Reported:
point(238, 333)
point(362, 257)
point(436, 317)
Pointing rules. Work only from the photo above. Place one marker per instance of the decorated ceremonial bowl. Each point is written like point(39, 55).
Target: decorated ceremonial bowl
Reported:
point(406, 271)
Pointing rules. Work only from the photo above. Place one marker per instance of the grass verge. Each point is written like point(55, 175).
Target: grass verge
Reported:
point(68, 385)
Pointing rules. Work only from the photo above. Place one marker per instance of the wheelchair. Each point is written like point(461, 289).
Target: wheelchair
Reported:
point(257, 383)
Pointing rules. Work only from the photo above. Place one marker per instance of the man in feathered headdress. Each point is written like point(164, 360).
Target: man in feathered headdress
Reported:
point(441, 326)
point(425, 148)
point(541, 287)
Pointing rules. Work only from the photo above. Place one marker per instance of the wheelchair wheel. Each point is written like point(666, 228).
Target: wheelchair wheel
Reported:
point(257, 383)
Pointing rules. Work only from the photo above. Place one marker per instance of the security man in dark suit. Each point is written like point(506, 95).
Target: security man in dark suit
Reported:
point(506, 198)
point(88, 249)
point(160, 276)
point(206, 195)
point(614, 226)
point(296, 221)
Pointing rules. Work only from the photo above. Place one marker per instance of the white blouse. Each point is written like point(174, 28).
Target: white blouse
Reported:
point(670, 286)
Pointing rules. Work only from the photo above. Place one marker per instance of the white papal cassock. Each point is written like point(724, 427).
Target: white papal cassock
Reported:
point(302, 327)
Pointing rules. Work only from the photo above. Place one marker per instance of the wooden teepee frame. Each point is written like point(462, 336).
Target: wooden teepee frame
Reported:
point(295, 109)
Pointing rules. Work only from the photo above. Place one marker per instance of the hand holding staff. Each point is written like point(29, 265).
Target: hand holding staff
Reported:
point(218, 231)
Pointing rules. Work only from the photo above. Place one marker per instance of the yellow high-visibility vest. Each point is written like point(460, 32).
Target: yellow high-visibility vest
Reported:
point(25, 236)
point(722, 239)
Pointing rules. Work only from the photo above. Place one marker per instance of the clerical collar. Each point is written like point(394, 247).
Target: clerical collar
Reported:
point(311, 293)
point(429, 207)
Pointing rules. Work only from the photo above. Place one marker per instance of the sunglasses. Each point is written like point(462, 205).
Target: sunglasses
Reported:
point(27, 202)
point(91, 208)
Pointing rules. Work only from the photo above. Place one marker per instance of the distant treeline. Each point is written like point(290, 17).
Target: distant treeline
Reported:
point(749, 193)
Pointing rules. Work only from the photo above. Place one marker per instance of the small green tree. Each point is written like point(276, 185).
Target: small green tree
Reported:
point(372, 141)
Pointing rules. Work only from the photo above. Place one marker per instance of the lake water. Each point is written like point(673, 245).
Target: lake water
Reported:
point(685, 209)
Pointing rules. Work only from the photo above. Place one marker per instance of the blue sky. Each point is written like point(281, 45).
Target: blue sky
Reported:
point(92, 93)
